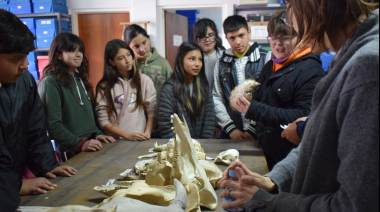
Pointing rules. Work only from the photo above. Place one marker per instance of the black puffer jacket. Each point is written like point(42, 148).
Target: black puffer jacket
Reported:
point(282, 98)
point(22, 122)
point(169, 105)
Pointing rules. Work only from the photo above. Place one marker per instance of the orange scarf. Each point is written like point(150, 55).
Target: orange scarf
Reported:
point(296, 55)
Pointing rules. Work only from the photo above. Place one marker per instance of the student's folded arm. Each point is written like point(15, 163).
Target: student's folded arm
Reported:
point(261, 112)
point(41, 157)
point(222, 117)
point(209, 119)
point(51, 100)
point(165, 111)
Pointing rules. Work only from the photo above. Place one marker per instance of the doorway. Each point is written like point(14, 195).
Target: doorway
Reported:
point(96, 30)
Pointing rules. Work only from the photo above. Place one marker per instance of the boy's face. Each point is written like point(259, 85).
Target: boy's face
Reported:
point(239, 40)
point(12, 66)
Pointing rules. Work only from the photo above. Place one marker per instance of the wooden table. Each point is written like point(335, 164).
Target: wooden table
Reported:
point(96, 168)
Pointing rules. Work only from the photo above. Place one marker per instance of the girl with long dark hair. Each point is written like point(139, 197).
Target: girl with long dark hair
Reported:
point(68, 98)
point(187, 94)
point(126, 98)
point(206, 34)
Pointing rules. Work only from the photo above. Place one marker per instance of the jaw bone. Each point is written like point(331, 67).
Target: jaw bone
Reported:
point(126, 204)
point(228, 156)
point(186, 166)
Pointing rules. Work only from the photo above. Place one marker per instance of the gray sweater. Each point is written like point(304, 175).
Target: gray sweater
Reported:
point(336, 168)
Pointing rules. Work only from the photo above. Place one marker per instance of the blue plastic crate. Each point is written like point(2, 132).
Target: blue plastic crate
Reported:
point(4, 7)
point(18, 1)
point(35, 75)
point(4, 2)
point(21, 8)
point(29, 22)
point(60, 2)
point(46, 33)
point(32, 56)
point(44, 42)
point(51, 24)
point(33, 32)
point(49, 8)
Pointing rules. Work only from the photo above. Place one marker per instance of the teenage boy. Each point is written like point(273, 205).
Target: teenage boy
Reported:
point(237, 64)
point(23, 139)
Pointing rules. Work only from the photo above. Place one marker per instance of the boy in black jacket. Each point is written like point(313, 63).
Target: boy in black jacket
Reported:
point(23, 139)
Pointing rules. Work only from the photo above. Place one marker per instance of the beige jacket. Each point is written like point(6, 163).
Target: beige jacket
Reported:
point(124, 97)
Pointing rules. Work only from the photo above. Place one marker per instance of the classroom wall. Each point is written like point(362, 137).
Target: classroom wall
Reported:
point(146, 10)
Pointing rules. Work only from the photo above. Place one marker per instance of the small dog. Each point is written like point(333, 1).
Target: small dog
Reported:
point(244, 88)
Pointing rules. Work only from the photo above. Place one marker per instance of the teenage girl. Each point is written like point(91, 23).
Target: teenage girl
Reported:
point(67, 98)
point(126, 98)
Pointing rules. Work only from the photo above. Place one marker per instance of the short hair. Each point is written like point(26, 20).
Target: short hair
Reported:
point(276, 25)
point(234, 23)
point(315, 17)
point(15, 37)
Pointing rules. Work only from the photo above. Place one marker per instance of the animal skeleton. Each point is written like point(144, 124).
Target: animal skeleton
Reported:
point(228, 156)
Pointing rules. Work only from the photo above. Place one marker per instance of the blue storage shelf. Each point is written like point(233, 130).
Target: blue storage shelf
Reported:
point(18, 1)
point(49, 7)
point(61, 2)
point(44, 42)
point(4, 2)
point(29, 22)
point(51, 24)
point(4, 7)
point(21, 8)
point(32, 56)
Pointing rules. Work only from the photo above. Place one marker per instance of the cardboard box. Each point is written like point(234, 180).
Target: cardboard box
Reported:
point(242, 2)
point(20, 8)
point(49, 8)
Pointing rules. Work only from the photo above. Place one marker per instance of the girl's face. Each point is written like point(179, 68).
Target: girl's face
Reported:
point(141, 47)
point(72, 59)
point(123, 61)
point(208, 43)
point(192, 63)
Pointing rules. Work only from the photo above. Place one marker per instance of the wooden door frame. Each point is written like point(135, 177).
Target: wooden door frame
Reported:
point(161, 45)
point(74, 15)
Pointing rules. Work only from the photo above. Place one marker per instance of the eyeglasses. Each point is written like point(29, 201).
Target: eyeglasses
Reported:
point(210, 37)
point(283, 40)
point(283, 19)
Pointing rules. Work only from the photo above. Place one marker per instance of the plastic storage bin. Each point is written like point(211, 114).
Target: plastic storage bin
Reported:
point(44, 42)
point(29, 22)
point(43, 61)
point(32, 56)
point(4, 2)
point(51, 24)
point(18, 1)
point(46, 33)
point(20, 8)
point(49, 8)
point(33, 70)
point(60, 2)
point(4, 7)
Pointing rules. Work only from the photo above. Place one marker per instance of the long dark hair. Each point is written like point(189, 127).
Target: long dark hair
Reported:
point(200, 31)
point(67, 42)
point(133, 31)
point(111, 77)
point(195, 103)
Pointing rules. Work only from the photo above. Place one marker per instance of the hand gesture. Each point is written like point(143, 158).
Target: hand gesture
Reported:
point(105, 139)
point(92, 146)
point(61, 170)
point(237, 135)
point(242, 105)
point(38, 185)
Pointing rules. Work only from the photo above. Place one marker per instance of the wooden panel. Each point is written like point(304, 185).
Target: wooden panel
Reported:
point(96, 168)
point(96, 30)
point(174, 25)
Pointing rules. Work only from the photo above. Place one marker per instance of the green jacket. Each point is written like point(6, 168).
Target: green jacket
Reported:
point(67, 120)
point(158, 69)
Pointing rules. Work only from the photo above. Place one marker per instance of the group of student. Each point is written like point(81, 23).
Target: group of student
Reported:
point(139, 92)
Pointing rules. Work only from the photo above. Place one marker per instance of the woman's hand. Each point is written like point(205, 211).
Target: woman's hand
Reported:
point(242, 105)
point(61, 170)
point(147, 135)
point(248, 177)
point(105, 139)
point(137, 136)
point(92, 146)
point(30, 186)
